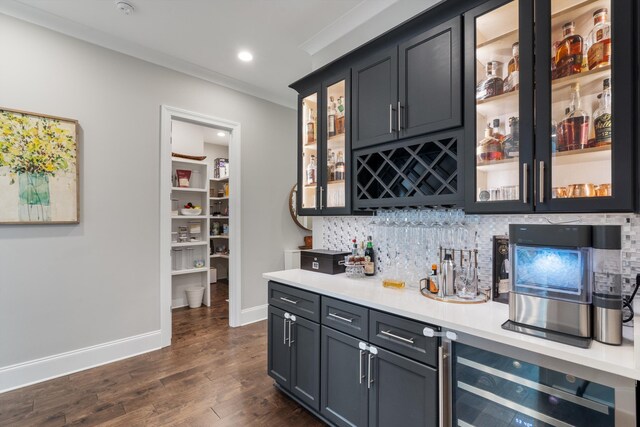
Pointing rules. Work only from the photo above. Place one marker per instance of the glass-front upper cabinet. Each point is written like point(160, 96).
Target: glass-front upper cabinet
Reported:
point(499, 73)
point(308, 181)
point(583, 141)
point(334, 150)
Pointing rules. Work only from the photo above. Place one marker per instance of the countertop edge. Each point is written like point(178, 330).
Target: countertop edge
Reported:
point(535, 345)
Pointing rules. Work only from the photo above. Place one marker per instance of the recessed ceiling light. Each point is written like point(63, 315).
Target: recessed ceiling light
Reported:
point(124, 7)
point(245, 56)
point(221, 134)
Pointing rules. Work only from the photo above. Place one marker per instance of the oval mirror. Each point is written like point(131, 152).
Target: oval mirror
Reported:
point(304, 222)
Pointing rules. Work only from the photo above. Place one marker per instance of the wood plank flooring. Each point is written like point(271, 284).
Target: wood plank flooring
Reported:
point(212, 375)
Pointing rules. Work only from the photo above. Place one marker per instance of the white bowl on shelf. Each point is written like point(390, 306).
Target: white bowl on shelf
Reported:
point(190, 212)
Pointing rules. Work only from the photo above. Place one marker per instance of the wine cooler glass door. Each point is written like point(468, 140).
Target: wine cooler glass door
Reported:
point(309, 151)
point(502, 86)
point(335, 150)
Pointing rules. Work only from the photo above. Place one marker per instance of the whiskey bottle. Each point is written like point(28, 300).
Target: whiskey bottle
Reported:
point(340, 115)
point(569, 52)
point(496, 133)
point(340, 167)
point(512, 82)
point(575, 125)
point(598, 42)
point(331, 165)
point(489, 148)
point(602, 121)
point(331, 117)
point(511, 143)
point(492, 84)
point(311, 128)
point(311, 171)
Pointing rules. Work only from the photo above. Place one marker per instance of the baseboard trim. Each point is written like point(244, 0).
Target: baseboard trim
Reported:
point(46, 368)
point(253, 314)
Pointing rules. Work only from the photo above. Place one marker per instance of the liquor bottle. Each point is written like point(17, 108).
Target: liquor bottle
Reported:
point(311, 171)
point(434, 285)
point(569, 53)
point(598, 42)
point(311, 128)
point(575, 125)
point(492, 84)
point(602, 120)
point(331, 117)
point(496, 133)
point(331, 165)
point(512, 82)
point(340, 167)
point(354, 248)
point(511, 143)
point(369, 258)
point(340, 116)
point(489, 148)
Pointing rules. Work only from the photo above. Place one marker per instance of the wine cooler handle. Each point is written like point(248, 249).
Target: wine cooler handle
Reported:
point(541, 181)
point(525, 183)
point(441, 409)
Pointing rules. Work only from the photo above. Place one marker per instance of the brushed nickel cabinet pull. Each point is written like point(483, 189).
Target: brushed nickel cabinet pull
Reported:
point(390, 118)
point(290, 301)
point(340, 317)
point(541, 181)
point(525, 184)
point(389, 334)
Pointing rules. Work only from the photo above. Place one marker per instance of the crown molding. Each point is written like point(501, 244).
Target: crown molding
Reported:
point(82, 32)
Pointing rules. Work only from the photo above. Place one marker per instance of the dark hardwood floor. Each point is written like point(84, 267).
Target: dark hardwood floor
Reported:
point(212, 375)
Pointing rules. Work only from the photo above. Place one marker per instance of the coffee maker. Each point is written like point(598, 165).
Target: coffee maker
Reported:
point(607, 284)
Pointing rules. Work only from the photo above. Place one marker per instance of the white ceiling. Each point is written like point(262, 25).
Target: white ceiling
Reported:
point(202, 37)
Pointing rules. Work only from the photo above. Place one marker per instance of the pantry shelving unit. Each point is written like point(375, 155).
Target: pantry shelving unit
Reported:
point(184, 273)
point(218, 204)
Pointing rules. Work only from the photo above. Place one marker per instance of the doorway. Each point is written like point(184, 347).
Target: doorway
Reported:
point(200, 220)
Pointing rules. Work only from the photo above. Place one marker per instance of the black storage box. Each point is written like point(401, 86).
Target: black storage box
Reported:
point(323, 261)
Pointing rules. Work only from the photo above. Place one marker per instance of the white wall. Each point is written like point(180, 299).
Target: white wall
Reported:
point(64, 288)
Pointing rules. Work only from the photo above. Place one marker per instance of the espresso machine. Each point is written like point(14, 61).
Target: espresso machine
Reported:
point(607, 284)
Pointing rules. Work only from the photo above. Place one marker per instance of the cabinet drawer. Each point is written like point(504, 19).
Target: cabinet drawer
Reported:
point(348, 318)
point(295, 301)
point(403, 336)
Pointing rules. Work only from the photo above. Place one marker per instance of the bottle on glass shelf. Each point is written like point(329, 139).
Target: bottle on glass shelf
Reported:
point(331, 117)
point(602, 116)
point(489, 148)
point(496, 132)
point(512, 82)
point(311, 128)
point(340, 115)
point(575, 125)
point(331, 165)
point(311, 171)
point(492, 84)
point(340, 167)
point(598, 42)
point(511, 143)
point(369, 259)
point(569, 53)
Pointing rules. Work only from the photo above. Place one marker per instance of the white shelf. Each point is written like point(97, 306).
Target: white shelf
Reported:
point(220, 256)
point(219, 237)
point(219, 198)
point(219, 179)
point(219, 217)
point(189, 190)
point(188, 217)
point(188, 161)
point(187, 244)
point(190, 271)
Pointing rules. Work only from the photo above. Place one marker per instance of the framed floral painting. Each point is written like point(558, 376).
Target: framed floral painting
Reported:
point(38, 169)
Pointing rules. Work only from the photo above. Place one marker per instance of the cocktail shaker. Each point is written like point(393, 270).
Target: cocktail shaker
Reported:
point(448, 276)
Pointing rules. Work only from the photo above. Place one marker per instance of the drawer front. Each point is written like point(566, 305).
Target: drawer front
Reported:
point(403, 336)
point(345, 317)
point(295, 301)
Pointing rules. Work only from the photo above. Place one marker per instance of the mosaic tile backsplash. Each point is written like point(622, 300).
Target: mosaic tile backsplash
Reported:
point(337, 232)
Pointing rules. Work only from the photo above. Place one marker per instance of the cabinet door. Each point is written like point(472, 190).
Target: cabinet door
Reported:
point(335, 147)
point(584, 142)
point(309, 172)
point(343, 382)
point(375, 98)
point(305, 362)
point(431, 80)
point(279, 355)
point(403, 392)
point(499, 107)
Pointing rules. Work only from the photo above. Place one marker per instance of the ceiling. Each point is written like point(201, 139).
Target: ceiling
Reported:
point(202, 37)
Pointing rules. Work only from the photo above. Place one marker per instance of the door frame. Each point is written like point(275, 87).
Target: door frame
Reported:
point(167, 114)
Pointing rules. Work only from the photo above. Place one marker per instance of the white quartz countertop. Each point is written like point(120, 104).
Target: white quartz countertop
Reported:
point(480, 320)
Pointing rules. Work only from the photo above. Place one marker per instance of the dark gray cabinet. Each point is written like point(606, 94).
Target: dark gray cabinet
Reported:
point(431, 81)
point(403, 392)
point(411, 89)
point(344, 389)
point(294, 355)
point(375, 97)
